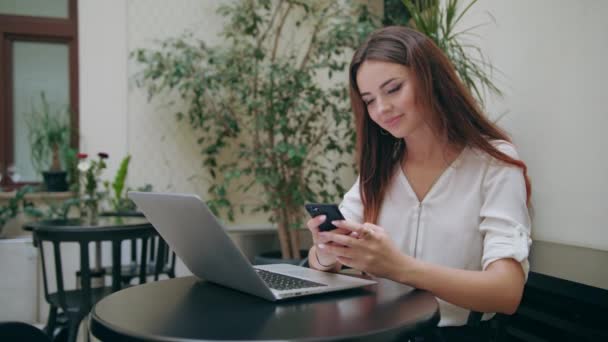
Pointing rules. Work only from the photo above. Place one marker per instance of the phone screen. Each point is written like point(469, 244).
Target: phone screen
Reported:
point(331, 211)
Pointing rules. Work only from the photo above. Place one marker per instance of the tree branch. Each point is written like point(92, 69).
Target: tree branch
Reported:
point(313, 39)
point(278, 32)
point(270, 24)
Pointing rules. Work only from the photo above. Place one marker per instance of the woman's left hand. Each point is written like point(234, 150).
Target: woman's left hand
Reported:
point(368, 248)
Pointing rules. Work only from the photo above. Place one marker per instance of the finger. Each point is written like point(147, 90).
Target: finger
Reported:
point(368, 233)
point(336, 250)
point(313, 226)
point(346, 261)
point(344, 240)
point(322, 238)
point(373, 227)
point(314, 222)
point(319, 238)
point(341, 231)
point(358, 231)
point(348, 225)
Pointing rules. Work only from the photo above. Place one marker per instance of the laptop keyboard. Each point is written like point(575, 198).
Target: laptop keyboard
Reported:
point(283, 282)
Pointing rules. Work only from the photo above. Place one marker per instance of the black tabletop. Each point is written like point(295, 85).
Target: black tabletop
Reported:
point(107, 228)
point(194, 310)
point(103, 223)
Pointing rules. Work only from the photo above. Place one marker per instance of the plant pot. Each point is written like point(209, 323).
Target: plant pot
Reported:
point(55, 181)
point(274, 257)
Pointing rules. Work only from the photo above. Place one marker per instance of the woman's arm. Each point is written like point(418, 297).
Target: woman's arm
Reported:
point(497, 289)
point(314, 261)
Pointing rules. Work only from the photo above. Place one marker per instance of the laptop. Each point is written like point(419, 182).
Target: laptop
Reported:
point(189, 227)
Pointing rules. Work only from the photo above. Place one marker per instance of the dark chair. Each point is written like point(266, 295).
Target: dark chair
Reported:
point(161, 260)
point(474, 330)
point(19, 331)
point(75, 304)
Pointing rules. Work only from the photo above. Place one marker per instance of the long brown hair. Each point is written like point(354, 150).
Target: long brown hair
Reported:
point(437, 89)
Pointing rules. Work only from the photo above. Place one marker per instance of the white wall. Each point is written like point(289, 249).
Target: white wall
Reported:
point(102, 27)
point(552, 54)
point(18, 301)
point(116, 116)
point(165, 153)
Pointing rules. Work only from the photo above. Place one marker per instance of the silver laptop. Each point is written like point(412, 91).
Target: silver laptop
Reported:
point(200, 240)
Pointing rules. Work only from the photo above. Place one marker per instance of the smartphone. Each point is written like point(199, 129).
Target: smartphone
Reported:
point(331, 212)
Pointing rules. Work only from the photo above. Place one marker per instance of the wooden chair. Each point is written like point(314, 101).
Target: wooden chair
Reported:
point(75, 304)
point(161, 260)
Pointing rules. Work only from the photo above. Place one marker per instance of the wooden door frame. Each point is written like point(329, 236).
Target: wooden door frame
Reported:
point(36, 29)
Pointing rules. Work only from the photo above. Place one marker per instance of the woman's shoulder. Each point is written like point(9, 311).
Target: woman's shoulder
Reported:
point(505, 147)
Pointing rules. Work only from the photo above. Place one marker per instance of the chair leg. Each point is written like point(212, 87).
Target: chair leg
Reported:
point(73, 328)
point(51, 321)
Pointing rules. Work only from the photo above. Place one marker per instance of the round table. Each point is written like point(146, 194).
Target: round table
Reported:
point(104, 224)
point(189, 309)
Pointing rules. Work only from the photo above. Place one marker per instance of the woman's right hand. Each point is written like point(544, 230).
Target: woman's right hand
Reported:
point(324, 258)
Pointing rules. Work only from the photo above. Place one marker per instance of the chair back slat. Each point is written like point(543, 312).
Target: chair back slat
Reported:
point(85, 275)
point(133, 250)
point(153, 249)
point(116, 264)
point(172, 269)
point(43, 262)
point(143, 265)
point(59, 272)
point(160, 259)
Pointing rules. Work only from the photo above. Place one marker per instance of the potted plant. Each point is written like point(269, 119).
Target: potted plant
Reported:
point(49, 136)
point(266, 123)
point(120, 204)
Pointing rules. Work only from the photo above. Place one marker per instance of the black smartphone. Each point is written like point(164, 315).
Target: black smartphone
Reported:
point(331, 212)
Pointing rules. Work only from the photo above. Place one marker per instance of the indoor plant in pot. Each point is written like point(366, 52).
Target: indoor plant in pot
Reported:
point(267, 123)
point(119, 203)
point(49, 136)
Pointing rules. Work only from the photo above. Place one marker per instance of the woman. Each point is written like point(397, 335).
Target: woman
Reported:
point(441, 202)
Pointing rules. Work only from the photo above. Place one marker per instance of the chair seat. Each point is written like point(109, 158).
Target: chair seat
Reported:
point(73, 298)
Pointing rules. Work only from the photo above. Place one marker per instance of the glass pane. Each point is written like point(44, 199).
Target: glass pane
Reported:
point(38, 68)
point(36, 8)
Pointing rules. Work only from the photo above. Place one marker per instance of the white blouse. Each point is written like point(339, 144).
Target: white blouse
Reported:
point(474, 214)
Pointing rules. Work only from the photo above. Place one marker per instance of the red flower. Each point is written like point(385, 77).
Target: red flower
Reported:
point(82, 156)
point(103, 155)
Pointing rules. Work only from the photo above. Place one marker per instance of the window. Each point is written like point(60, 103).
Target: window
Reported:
point(38, 53)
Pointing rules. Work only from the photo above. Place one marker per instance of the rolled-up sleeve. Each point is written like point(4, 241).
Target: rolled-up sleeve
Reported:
point(351, 205)
point(505, 220)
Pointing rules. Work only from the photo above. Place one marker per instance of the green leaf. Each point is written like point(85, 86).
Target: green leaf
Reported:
point(254, 101)
point(438, 20)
